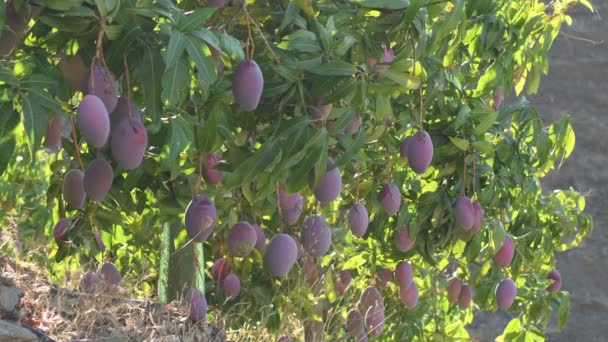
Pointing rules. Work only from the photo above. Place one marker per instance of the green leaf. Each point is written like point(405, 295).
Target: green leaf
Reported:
point(253, 165)
point(178, 140)
point(563, 311)
point(7, 148)
point(511, 331)
point(232, 47)
point(385, 4)
point(353, 148)
point(207, 36)
point(356, 261)
point(461, 117)
point(73, 25)
point(163, 271)
point(205, 65)
point(195, 19)
point(483, 146)
point(460, 143)
point(383, 107)
point(7, 76)
point(321, 164)
point(175, 49)
point(485, 123)
point(151, 73)
point(337, 68)
point(453, 19)
point(175, 83)
point(35, 121)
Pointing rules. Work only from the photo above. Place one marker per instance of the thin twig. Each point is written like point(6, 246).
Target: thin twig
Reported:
point(263, 37)
point(126, 71)
point(358, 169)
point(464, 176)
point(279, 209)
point(474, 177)
point(76, 146)
point(582, 39)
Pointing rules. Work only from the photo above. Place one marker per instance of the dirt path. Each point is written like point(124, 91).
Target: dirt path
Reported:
point(577, 85)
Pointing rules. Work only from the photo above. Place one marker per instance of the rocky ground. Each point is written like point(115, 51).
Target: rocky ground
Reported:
point(577, 85)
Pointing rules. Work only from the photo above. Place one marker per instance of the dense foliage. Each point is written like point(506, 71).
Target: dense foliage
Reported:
point(228, 110)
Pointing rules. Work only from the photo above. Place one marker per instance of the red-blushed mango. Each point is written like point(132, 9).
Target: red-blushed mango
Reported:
point(93, 121)
point(90, 283)
point(384, 276)
point(403, 148)
point(329, 185)
point(557, 281)
point(463, 213)
point(74, 72)
point(477, 217)
point(231, 286)
point(388, 57)
point(505, 293)
point(344, 279)
point(321, 110)
point(103, 85)
point(281, 254)
point(354, 125)
point(61, 229)
point(196, 304)
point(404, 274)
point(200, 218)
point(453, 290)
point(121, 113)
point(316, 236)
point(52, 139)
point(99, 241)
point(504, 256)
point(247, 85)
point(260, 241)
point(220, 269)
point(371, 306)
point(310, 270)
point(354, 323)
point(216, 3)
point(210, 174)
point(73, 188)
point(129, 143)
point(403, 241)
point(358, 219)
point(110, 276)
point(465, 235)
point(390, 197)
point(420, 152)
point(466, 294)
point(241, 239)
point(291, 206)
point(409, 295)
point(98, 179)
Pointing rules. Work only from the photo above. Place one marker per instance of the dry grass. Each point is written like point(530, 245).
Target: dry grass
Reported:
point(71, 316)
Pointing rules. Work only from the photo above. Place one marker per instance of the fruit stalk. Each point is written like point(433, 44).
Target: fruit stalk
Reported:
point(249, 19)
point(76, 146)
point(126, 68)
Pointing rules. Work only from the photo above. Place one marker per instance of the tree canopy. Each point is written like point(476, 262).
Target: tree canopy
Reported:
point(395, 105)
